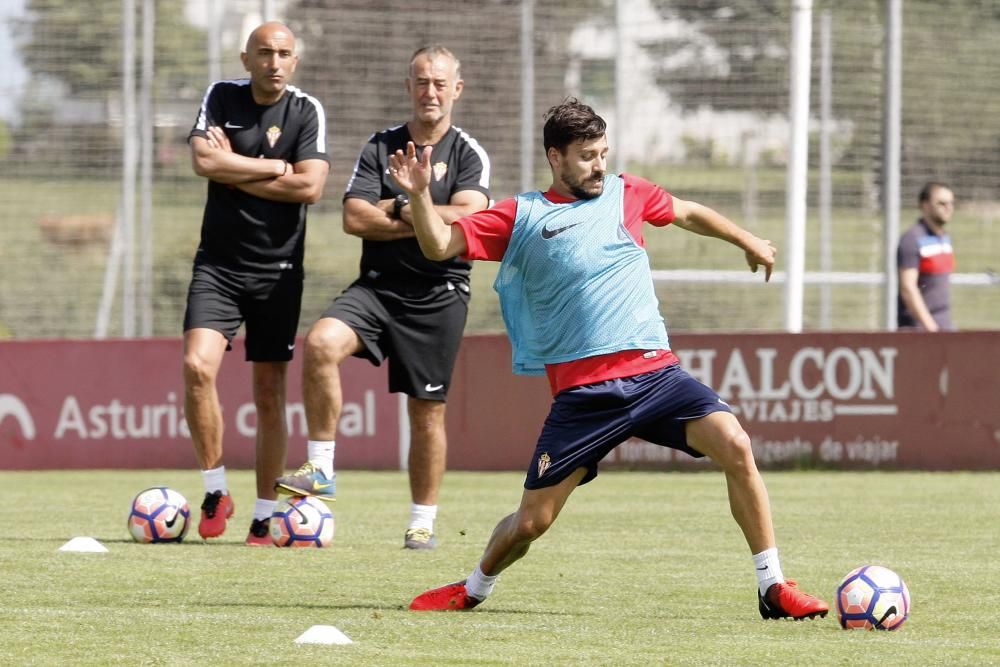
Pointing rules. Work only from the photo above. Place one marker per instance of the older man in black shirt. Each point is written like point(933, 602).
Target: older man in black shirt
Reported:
point(403, 307)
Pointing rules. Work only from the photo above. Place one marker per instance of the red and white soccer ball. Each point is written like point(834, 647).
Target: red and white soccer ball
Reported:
point(159, 514)
point(872, 597)
point(302, 521)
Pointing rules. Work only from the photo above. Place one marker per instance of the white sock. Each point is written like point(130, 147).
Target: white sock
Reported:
point(215, 479)
point(321, 455)
point(768, 569)
point(263, 508)
point(422, 516)
point(478, 585)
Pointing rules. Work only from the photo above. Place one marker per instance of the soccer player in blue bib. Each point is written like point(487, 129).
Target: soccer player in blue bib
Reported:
point(578, 301)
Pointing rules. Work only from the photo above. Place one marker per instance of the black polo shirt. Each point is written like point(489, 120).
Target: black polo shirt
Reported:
point(241, 231)
point(459, 163)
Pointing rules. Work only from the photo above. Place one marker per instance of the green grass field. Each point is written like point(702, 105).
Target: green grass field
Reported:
point(642, 568)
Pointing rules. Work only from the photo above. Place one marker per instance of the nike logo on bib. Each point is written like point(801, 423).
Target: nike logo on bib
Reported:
point(549, 233)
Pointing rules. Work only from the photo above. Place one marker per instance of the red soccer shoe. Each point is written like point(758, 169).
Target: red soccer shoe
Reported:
point(784, 600)
point(452, 597)
point(215, 510)
point(259, 535)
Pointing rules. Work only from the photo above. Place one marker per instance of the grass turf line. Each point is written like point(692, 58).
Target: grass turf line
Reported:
point(641, 568)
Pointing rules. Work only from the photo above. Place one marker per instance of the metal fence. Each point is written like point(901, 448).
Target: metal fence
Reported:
point(696, 95)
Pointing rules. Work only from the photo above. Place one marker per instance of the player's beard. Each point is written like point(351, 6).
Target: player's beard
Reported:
point(596, 183)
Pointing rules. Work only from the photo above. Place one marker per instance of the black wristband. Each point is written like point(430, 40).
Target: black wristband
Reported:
point(398, 204)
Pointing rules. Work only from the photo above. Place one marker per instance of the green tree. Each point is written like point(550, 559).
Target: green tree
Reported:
point(73, 52)
point(80, 44)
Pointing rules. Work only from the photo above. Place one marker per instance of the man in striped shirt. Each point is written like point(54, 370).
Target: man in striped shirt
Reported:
point(925, 262)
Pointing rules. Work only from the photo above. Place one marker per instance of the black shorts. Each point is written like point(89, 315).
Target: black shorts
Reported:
point(587, 422)
point(417, 326)
point(269, 304)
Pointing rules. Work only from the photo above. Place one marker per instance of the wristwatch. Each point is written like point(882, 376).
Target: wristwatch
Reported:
point(398, 204)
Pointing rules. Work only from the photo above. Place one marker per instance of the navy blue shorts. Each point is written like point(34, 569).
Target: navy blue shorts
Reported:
point(587, 422)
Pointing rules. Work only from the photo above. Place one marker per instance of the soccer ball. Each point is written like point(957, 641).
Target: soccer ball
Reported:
point(159, 514)
point(302, 521)
point(872, 597)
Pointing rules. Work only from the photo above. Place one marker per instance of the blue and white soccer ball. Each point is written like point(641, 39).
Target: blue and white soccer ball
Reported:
point(157, 515)
point(872, 597)
point(302, 521)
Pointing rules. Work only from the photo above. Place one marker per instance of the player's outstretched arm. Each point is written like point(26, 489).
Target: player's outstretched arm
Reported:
point(461, 204)
point(700, 219)
point(437, 239)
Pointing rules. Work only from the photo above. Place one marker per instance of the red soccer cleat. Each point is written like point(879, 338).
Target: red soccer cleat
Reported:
point(784, 600)
point(259, 535)
point(452, 597)
point(215, 509)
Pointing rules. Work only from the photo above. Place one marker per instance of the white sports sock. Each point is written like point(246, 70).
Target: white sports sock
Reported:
point(768, 569)
point(478, 585)
point(215, 479)
point(422, 516)
point(264, 508)
point(321, 455)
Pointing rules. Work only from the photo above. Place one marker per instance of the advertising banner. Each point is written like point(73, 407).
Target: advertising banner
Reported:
point(120, 404)
point(829, 400)
point(815, 400)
